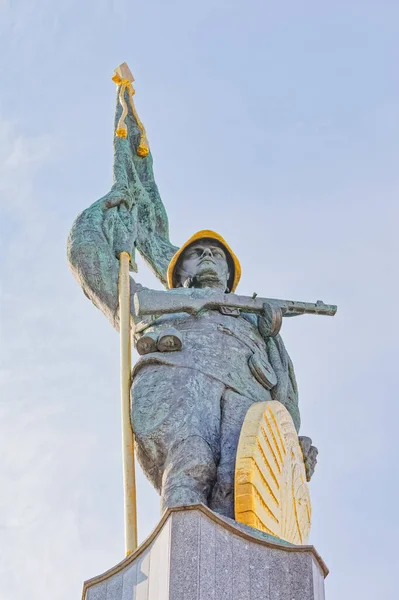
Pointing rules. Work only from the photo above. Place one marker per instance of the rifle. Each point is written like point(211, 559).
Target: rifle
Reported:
point(153, 302)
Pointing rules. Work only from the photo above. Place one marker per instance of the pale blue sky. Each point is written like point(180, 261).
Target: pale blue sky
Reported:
point(276, 124)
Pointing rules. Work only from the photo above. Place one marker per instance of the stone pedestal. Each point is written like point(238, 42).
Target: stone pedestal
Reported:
point(194, 554)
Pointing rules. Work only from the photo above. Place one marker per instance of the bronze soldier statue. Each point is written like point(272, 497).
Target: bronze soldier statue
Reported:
point(201, 368)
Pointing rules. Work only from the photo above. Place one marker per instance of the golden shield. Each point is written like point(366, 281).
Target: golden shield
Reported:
point(271, 492)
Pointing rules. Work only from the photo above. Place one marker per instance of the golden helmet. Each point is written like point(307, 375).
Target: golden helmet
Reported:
point(235, 272)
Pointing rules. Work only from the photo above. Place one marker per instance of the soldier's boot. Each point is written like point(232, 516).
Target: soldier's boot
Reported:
point(222, 500)
point(189, 473)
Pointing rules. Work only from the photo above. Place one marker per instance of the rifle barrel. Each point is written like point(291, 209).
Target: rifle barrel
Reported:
point(289, 308)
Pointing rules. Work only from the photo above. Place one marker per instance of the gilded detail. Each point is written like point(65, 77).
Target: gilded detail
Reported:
point(124, 79)
point(271, 493)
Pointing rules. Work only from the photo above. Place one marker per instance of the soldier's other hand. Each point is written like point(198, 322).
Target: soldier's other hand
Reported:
point(271, 320)
point(309, 455)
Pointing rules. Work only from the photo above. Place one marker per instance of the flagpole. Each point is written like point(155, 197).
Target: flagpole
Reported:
point(129, 475)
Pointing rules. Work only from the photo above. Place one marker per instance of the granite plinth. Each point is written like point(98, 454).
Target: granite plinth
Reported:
point(193, 554)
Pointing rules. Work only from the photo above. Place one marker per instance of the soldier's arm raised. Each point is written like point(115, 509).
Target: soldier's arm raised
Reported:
point(96, 239)
point(131, 215)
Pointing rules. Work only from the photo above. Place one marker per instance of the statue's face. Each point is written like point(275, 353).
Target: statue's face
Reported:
point(204, 264)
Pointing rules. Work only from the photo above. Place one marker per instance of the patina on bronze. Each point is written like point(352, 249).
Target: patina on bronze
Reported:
point(207, 355)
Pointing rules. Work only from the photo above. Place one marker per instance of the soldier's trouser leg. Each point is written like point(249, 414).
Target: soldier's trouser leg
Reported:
point(176, 421)
point(234, 409)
